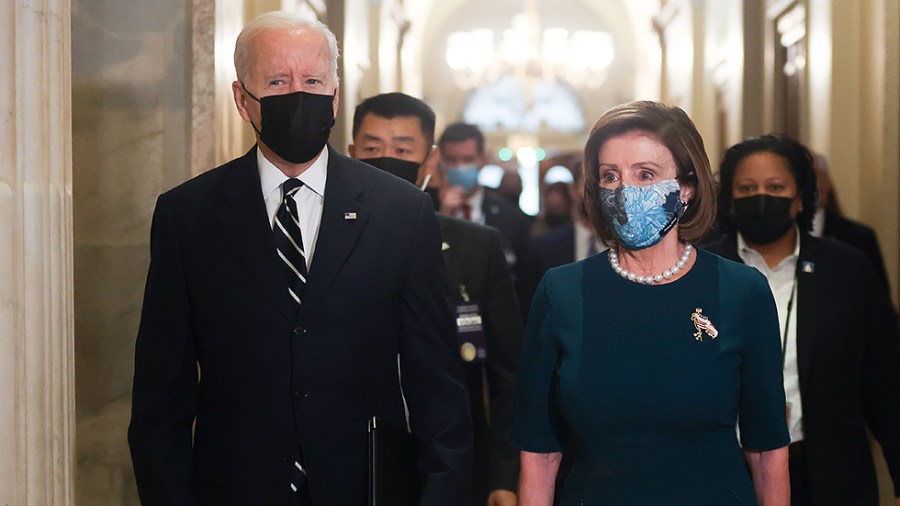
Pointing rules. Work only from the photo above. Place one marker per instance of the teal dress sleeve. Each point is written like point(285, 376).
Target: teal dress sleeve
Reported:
point(762, 414)
point(537, 419)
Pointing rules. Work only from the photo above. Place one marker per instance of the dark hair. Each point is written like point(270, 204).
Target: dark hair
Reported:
point(673, 128)
point(396, 105)
point(799, 161)
point(461, 132)
point(561, 188)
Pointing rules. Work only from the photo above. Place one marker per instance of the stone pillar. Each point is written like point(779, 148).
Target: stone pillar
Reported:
point(36, 329)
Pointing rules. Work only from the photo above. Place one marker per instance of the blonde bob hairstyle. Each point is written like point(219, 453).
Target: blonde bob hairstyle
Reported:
point(675, 130)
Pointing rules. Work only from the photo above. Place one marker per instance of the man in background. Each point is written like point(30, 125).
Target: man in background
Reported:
point(556, 209)
point(829, 221)
point(462, 157)
point(570, 242)
point(395, 133)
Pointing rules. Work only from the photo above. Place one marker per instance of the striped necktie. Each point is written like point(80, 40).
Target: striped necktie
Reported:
point(289, 241)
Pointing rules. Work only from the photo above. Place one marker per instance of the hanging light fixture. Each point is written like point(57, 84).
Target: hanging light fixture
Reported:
point(580, 58)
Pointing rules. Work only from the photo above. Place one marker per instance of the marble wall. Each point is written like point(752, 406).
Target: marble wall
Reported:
point(36, 368)
point(131, 124)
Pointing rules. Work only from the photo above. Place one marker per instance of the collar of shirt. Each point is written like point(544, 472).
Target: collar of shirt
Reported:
point(475, 202)
point(271, 178)
point(818, 229)
point(785, 269)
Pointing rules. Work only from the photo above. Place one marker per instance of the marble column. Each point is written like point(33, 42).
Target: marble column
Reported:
point(36, 319)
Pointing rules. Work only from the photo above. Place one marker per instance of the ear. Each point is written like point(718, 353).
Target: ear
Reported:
point(687, 193)
point(336, 101)
point(240, 100)
point(429, 166)
point(351, 150)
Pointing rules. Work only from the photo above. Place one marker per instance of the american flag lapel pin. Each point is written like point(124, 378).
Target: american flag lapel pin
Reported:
point(349, 216)
point(702, 324)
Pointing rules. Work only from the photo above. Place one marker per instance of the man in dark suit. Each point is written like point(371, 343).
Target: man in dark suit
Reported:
point(829, 221)
point(462, 155)
point(293, 293)
point(395, 132)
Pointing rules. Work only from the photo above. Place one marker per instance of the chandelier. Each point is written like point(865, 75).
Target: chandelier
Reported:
point(580, 58)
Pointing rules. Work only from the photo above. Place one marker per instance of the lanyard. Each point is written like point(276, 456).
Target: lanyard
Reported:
point(787, 321)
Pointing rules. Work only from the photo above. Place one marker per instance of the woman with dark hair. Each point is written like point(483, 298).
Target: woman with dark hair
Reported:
point(839, 338)
point(639, 363)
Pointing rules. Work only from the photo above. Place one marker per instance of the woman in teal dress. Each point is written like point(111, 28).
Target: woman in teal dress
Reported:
point(640, 364)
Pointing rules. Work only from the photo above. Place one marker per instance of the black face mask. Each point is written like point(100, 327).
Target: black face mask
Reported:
point(401, 168)
point(762, 219)
point(295, 126)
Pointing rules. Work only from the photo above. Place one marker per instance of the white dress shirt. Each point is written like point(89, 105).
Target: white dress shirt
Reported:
point(475, 213)
point(310, 198)
point(782, 283)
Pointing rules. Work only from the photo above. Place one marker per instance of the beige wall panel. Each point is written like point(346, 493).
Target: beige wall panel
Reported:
point(35, 364)
point(132, 128)
point(819, 75)
point(846, 100)
point(9, 336)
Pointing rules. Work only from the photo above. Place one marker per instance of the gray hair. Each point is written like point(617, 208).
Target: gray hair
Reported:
point(277, 20)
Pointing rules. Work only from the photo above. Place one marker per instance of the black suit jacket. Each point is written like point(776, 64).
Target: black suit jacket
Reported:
point(860, 237)
point(476, 269)
point(515, 230)
point(555, 248)
point(847, 348)
point(221, 344)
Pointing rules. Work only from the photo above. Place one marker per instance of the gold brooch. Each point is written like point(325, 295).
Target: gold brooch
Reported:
point(703, 324)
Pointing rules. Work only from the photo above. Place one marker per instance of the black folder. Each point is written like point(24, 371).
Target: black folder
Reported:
point(393, 454)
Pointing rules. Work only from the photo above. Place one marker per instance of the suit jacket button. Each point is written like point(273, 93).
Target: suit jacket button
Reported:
point(299, 331)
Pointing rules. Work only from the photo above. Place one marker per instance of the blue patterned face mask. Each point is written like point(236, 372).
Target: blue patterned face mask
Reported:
point(641, 216)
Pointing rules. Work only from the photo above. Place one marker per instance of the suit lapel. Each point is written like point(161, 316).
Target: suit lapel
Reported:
point(807, 288)
point(490, 210)
point(343, 220)
point(243, 216)
point(449, 245)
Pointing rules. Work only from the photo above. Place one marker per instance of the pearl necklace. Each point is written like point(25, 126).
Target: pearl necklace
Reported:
point(649, 280)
